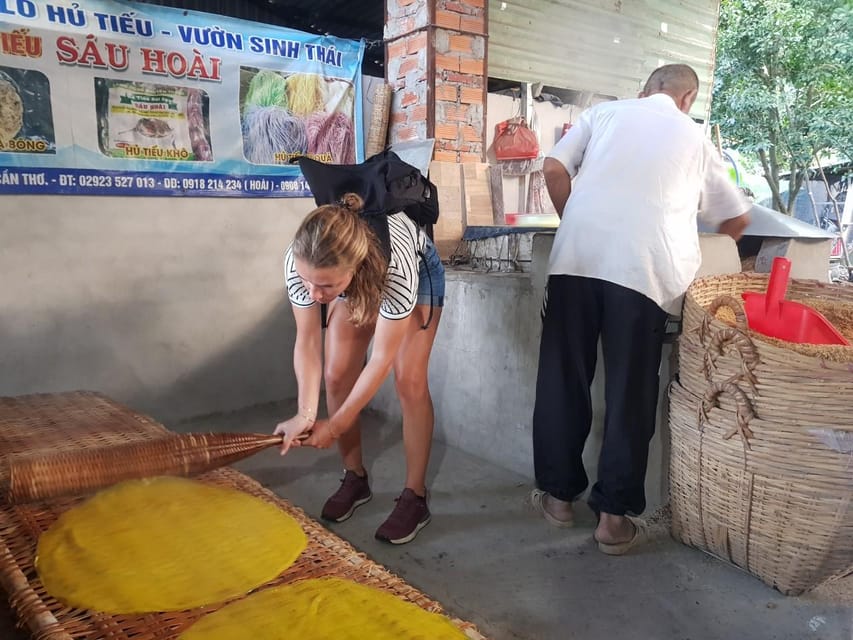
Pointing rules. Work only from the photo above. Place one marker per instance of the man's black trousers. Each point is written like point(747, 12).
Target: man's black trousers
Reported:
point(579, 312)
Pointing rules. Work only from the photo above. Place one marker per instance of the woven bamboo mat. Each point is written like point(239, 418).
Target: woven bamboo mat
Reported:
point(83, 419)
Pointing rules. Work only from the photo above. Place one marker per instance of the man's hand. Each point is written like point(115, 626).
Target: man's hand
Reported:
point(291, 430)
point(734, 226)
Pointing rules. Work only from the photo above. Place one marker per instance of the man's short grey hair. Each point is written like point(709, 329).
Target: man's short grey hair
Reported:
point(674, 79)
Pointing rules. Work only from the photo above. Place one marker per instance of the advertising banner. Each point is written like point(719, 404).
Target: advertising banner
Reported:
point(108, 97)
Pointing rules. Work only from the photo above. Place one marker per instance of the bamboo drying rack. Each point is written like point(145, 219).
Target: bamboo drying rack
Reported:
point(81, 421)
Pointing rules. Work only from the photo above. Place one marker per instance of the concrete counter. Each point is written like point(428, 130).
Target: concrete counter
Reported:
point(483, 375)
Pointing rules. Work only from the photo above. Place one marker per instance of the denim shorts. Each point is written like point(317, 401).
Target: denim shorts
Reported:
point(430, 277)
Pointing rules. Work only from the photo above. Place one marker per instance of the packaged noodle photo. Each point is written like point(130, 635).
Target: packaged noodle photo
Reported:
point(145, 121)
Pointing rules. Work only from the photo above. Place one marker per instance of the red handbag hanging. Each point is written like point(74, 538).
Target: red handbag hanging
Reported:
point(514, 140)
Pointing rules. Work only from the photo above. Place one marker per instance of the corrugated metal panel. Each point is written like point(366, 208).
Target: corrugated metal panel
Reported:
point(605, 47)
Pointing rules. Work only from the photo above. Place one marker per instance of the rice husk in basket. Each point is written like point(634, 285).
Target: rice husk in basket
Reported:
point(839, 314)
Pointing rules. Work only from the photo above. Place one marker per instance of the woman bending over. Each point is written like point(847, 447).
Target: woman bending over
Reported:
point(336, 260)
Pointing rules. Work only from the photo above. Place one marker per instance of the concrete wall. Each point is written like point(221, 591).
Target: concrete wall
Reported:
point(177, 308)
point(483, 367)
point(174, 306)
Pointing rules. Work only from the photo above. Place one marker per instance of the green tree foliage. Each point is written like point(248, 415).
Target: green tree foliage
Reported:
point(784, 84)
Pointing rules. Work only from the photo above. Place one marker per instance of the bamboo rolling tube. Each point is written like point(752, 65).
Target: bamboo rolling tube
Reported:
point(30, 477)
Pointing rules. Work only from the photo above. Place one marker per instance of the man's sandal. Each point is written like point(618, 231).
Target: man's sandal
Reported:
point(621, 548)
point(537, 500)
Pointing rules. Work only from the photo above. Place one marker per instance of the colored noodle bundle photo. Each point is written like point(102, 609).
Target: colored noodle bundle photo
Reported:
point(286, 116)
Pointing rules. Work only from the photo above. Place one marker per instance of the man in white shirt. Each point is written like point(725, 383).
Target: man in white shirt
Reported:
point(629, 180)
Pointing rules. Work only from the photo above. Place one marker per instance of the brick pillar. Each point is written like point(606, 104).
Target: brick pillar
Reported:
point(435, 56)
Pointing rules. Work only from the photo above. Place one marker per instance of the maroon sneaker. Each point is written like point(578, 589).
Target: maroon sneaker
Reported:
point(353, 492)
point(408, 517)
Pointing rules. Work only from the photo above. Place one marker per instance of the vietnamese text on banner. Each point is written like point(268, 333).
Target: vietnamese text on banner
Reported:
point(119, 98)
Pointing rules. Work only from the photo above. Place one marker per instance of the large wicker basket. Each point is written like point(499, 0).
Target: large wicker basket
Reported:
point(761, 465)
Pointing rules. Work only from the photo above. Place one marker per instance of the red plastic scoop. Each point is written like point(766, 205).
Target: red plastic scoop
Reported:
point(776, 317)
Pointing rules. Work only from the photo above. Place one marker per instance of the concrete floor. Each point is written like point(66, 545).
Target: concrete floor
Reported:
point(488, 559)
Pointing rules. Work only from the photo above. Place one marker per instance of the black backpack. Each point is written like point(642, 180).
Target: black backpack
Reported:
point(385, 183)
